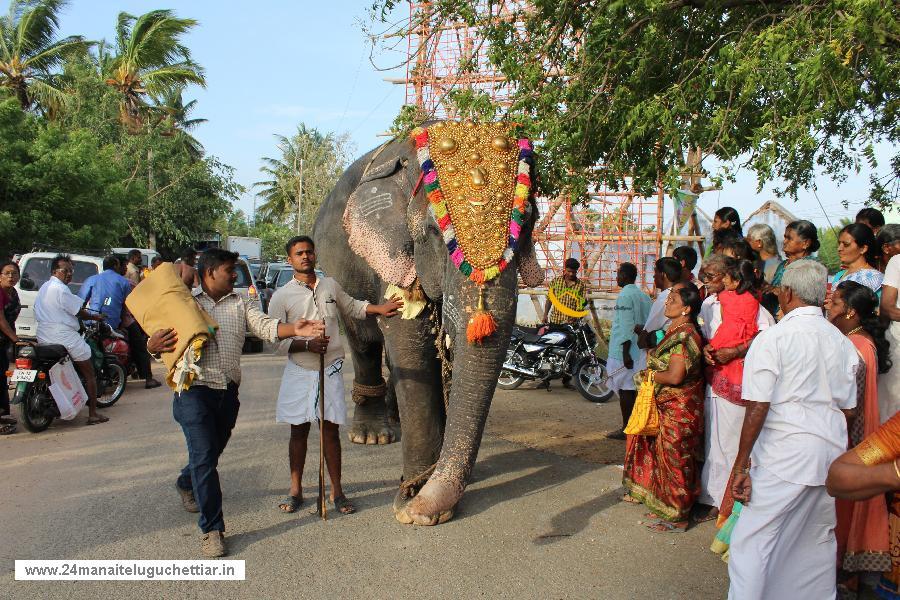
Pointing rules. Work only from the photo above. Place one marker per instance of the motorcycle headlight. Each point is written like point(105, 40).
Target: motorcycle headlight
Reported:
point(27, 352)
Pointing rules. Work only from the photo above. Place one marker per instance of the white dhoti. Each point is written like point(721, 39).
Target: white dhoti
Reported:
point(298, 396)
point(783, 544)
point(724, 420)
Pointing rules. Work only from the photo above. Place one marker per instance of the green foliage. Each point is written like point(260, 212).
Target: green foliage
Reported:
point(58, 188)
point(29, 52)
point(786, 89)
point(300, 178)
point(115, 163)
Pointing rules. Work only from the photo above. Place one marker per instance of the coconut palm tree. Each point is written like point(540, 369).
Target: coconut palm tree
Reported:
point(151, 60)
point(298, 181)
point(30, 52)
point(173, 116)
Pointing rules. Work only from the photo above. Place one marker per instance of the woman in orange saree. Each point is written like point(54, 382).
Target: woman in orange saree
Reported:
point(862, 526)
point(870, 470)
point(662, 471)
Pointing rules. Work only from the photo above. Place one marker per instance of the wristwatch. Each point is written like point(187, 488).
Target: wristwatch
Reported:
point(157, 356)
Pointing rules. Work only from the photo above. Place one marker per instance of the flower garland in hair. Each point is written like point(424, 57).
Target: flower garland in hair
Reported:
point(436, 197)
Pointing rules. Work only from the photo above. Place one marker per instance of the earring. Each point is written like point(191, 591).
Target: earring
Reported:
point(848, 317)
point(684, 313)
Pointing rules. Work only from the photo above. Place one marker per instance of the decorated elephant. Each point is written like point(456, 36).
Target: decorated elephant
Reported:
point(443, 219)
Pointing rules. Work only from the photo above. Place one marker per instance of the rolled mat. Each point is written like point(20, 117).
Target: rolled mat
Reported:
point(162, 301)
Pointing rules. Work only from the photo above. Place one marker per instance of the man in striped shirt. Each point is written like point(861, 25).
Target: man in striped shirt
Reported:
point(207, 411)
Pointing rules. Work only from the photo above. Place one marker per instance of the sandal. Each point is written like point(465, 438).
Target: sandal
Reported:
point(7, 420)
point(667, 527)
point(703, 516)
point(343, 505)
point(7, 428)
point(290, 504)
point(97, 420)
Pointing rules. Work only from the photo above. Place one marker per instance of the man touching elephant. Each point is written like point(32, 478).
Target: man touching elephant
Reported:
point(319, 298)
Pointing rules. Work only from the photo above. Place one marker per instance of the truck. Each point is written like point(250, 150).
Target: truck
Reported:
point(247, 247)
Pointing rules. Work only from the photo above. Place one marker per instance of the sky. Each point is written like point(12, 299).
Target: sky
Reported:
point(272, 64)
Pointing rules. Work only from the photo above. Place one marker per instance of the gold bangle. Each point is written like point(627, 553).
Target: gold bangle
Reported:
point(896, 470)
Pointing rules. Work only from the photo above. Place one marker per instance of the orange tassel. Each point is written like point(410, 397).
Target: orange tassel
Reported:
point(481, 324)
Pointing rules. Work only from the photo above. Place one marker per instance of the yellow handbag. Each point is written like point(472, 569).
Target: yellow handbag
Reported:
point(645, 416)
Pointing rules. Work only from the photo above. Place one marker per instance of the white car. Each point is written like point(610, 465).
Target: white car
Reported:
point(35, 268)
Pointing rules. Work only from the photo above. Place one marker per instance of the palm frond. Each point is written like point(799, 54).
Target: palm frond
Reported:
point(53, 55)
point(37, 25)
point(50, 98)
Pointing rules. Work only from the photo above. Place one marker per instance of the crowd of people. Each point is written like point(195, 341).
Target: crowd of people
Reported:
point(760, 375)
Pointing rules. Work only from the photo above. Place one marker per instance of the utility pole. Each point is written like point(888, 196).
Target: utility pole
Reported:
point(299, 195)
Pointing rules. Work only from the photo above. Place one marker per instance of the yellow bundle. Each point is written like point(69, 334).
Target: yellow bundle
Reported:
point(162, 301)
point(645, 416)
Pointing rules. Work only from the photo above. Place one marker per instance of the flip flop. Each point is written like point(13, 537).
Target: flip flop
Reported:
point(97, 420)
point(343, 505)
point(7, 428)
point(665, 527)
point(290, 504)
point(707, 516)
point(7, 420)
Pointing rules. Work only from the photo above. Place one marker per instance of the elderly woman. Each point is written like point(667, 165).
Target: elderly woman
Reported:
point(862, 527)
point(761, 238)
point(859, 254)
point(661, 471)
point(869, 471)
point(888, 239)
point(801, 240)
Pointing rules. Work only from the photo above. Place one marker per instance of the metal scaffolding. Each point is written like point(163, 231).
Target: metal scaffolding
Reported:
point(611, 227)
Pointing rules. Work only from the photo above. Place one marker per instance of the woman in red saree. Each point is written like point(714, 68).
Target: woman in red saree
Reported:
point(862, 526)
point(662, 471)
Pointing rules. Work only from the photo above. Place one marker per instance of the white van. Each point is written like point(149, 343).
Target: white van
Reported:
point(35, 268)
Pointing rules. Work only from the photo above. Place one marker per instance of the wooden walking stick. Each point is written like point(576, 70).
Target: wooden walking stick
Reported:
point(323, 510)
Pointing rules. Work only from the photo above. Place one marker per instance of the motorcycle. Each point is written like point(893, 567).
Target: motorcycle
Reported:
point(36, 406)
point(552, 352)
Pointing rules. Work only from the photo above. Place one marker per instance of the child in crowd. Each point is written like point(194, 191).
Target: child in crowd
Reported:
point(740, 309)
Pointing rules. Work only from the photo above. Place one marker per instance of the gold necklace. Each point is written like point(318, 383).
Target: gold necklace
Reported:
point(854, 330)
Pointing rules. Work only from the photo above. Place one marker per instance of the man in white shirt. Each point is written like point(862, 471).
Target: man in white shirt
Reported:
point(800, 384)
point(56, 311)
point(309, 296)
point(723, 419)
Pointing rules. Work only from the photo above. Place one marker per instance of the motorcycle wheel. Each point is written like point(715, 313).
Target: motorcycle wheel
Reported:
point(590, 379)
point(110, 384)
point(32, 417)
point(507, 380)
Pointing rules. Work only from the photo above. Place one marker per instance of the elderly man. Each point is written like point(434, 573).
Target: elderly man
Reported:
point(761, 238)
point(800, 385)
point(723, 418)
point(57, 311)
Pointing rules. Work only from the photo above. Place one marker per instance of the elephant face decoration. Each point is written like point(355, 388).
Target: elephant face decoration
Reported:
point(477, 181)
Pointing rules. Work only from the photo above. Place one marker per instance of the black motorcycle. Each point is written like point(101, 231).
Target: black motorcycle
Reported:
point(552, 352)
point(31, 376)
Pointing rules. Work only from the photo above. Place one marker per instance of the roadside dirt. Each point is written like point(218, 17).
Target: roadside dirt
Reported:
point(559, 421)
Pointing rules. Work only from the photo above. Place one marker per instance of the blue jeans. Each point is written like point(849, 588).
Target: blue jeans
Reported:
point(207, 417)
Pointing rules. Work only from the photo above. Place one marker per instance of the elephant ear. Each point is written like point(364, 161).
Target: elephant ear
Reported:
point(376, 222)
point(530, 270)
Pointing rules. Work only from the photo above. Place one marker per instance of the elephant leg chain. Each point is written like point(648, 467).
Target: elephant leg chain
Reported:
point(444, 354)
point(362, 392)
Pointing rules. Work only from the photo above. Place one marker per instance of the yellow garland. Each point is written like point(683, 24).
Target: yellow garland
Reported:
point(559, 306)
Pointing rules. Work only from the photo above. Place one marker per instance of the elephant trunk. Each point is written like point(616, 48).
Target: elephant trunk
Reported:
point(475, 371)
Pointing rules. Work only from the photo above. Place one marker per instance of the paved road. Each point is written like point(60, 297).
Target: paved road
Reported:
point(533, 524)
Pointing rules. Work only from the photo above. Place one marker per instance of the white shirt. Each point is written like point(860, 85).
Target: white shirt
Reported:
point(711, 317)
point(57, 305)
point(657, 318)
point(806, 370)
point(892, 279)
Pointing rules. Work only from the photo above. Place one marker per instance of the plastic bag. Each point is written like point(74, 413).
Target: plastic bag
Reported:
point(66, 389)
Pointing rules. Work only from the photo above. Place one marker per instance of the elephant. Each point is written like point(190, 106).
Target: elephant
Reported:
point(375, 229)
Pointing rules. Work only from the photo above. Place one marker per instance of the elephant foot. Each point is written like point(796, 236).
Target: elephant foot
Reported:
point(434, 504)
point(370, 426)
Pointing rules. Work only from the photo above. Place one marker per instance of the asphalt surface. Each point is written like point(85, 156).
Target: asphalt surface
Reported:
point(533, 524)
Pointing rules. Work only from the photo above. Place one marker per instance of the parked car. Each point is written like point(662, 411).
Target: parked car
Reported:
point(246, 287)
point(35, 268)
